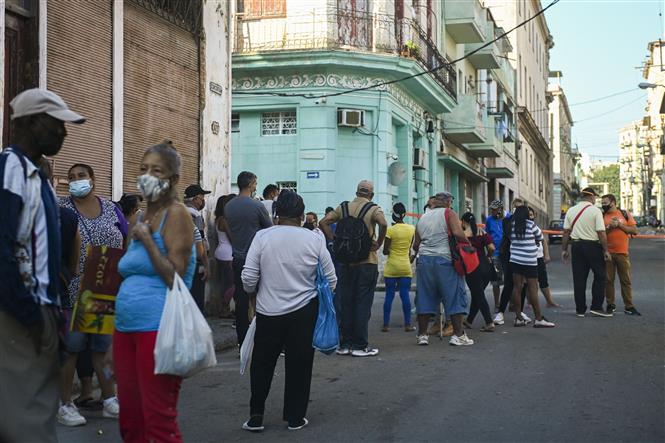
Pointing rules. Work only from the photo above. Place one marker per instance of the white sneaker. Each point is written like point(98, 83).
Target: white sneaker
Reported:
point(423, 340)
point(543, 323)
point(498, 319)
point(111, 408)
point(343, 351)
point(526, 318)
point(69, 415)
point(367, 352)
point(462, 340)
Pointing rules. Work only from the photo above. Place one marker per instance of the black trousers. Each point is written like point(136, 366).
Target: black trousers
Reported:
point(477, 281)
point(588, 256)
point(356, 287)
point(199, 289)
point(241, 300)
point(292, 333)
point(507, 291)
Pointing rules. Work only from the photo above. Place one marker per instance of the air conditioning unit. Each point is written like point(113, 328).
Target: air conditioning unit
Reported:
point(350, 117)
point(420, 159)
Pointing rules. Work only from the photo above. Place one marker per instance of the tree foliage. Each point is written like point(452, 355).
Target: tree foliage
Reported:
point(608, 174)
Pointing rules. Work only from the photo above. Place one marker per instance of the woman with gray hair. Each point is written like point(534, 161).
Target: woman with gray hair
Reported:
point(162, 244)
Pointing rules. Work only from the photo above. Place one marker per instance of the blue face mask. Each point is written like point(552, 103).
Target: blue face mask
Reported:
point(80, 188)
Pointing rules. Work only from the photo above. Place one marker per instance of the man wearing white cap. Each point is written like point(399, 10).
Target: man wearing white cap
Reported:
point(29, 269)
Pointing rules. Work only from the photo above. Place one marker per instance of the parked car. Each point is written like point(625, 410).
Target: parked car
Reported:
point(555, 225)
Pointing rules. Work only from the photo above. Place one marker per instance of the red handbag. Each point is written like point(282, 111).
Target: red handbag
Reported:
point(465, 258)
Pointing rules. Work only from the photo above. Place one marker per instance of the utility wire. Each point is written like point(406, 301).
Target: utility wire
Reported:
point(390, 82)
point(641, 97)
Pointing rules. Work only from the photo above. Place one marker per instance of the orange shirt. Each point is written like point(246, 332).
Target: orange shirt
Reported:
point(617, 240)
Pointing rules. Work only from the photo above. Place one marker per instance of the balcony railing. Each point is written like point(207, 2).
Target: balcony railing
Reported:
point(345, 30)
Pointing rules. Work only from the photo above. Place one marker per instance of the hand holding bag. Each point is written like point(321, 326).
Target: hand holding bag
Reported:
point(326, 331)
point(184, 344)
point(465, 259)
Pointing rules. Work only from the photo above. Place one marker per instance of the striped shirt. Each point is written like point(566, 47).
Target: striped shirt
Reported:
point(524, 250)
point(29, 238)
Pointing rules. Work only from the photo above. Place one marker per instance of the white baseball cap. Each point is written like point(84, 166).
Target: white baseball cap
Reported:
point(42, 101)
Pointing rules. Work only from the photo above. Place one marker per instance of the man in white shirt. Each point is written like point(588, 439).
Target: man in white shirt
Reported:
point(585, 228)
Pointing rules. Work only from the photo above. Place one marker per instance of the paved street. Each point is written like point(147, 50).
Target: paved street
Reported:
point(590, 379)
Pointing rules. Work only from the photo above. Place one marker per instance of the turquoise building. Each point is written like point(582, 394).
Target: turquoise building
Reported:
point(303, 119)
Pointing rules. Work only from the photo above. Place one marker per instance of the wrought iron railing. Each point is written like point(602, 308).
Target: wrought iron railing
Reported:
point(345, 30)
point(184, 13)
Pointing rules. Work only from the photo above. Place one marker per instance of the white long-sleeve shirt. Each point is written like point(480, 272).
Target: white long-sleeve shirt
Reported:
point(282, 261)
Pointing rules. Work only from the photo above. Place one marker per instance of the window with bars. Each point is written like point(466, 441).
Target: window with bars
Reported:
point(279, 123)
point(235, 122)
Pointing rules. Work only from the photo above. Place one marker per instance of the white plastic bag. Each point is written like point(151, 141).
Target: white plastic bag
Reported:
point(247, 346)
point(184, 344)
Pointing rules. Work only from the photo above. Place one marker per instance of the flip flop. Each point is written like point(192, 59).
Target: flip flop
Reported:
point(88, 403)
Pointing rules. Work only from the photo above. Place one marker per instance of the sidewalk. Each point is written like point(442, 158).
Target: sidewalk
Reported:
point(223, 333)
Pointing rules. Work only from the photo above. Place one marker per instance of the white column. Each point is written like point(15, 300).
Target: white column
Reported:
point(43, 48)
point(216, 108)
point(118, 101)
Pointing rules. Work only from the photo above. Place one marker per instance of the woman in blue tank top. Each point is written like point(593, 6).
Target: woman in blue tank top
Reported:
point(162, 244)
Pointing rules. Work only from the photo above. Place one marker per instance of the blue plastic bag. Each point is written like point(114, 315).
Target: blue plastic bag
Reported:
point(326, 331)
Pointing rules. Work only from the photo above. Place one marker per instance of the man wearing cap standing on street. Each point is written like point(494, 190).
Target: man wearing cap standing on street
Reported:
point(30, 268)
point(357, 281)
point(585, 228)
point(195, 202)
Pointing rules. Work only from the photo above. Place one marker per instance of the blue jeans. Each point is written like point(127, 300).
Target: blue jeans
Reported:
point(404, 285)
point(356, 290)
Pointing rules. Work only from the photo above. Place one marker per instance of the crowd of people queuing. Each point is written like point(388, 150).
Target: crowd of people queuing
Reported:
point(266, 254)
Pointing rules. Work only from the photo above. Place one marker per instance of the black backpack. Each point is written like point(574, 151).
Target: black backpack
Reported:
point(352, 241)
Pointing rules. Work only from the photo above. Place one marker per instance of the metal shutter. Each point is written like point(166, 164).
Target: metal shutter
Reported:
point(79, 69)
point(161, 89)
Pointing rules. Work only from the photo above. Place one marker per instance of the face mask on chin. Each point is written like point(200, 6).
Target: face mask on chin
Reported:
point(151, 187)
point(308, 225)
point(80, 188)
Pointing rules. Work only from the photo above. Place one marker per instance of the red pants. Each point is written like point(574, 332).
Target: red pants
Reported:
point(147, 401)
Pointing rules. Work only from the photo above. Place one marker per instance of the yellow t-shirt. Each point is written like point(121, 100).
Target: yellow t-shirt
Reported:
point(398, 264)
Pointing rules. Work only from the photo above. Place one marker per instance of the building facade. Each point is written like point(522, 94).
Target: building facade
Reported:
point(141, 71)
point(565, 189)
point(305, 114)
point(642, 145)
point(530, 58)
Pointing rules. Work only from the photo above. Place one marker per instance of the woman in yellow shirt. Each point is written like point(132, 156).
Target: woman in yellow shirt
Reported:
point(397, 272)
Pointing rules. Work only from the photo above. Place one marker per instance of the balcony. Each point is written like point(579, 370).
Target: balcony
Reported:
point(488, 57)
point(345, 30)
point(465, 20)
point(467, 122)
point(493, 145)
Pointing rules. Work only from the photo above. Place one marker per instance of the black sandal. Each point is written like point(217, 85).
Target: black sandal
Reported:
point(88, 403)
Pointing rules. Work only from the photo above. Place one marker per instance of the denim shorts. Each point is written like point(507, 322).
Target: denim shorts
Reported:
point(76, 342)
point(438, 282)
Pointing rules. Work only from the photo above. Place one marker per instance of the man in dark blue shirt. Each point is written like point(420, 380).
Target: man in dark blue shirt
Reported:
point(494, 227)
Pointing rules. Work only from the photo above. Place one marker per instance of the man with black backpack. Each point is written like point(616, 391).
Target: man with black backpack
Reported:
point(354, 247)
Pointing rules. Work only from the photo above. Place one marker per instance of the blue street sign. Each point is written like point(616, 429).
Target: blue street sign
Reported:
point(312, 174)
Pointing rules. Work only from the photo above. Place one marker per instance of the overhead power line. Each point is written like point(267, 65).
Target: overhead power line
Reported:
point(641, 97)
point(390, 82)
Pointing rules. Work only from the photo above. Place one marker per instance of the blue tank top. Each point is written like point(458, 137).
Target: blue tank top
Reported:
point(141, 297)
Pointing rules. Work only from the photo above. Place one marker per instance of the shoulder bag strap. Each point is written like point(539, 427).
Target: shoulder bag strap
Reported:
point(345, 209)
point(577, 217)
point(365, 209)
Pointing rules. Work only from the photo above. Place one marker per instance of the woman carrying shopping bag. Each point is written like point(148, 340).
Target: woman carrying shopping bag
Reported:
point(285, 258)
point(162, 245)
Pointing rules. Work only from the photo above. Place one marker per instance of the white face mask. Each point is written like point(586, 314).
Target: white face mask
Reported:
point(151, 187)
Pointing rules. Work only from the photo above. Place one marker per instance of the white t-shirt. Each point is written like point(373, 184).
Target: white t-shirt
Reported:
point(282, 261)
point(588, 224)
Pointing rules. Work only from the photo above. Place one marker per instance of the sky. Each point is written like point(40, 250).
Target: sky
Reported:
point(597, 45)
